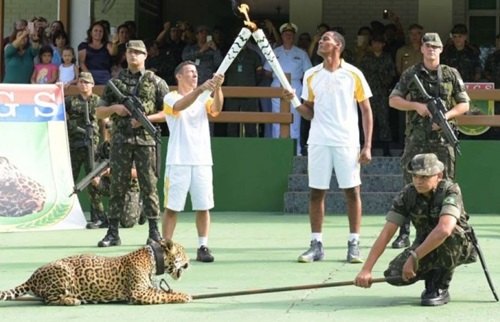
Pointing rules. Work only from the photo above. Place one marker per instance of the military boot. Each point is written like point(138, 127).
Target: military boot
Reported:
point(434, 296)
point(436, 288)
point(112, 238)
point(403, 240)
point(97, 220)
point(154, 234)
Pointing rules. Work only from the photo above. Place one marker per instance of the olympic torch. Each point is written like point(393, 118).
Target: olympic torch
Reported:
point(267, 50)
point(235, 49)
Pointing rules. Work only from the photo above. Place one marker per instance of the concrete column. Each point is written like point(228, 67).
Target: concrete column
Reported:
point(306, 14)
point(438, 14)
point(80, 19)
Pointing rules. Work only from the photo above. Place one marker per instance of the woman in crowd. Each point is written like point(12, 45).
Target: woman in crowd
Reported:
point(95, 54)
point(19, 55)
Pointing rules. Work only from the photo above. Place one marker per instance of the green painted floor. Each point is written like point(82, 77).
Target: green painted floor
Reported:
point(254, 251)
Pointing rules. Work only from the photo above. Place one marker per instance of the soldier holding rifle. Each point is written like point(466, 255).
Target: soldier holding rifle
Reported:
point(423, 134)
point(132, 142)
point(83, 134)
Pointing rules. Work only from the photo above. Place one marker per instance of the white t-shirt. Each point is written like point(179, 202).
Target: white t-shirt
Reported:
point(189, 141)
point(335, 96)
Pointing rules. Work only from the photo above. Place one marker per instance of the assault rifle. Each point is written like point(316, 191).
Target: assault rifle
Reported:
point(89, 136)
point(88, 131)
point(483, 263)
point(103, 155)
point(85, 181)
point(436, 107)
point(134, 106)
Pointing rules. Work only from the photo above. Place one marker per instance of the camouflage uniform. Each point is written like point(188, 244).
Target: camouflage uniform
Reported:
point(492, 68)
point(380, 73)
point(132, 202)
point(129, 144)
point(75, 111)
point(419, 136)
point(424, 213)
point(466, 61)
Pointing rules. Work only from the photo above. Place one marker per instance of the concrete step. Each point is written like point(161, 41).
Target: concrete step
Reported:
point(370, 183)
point(379, 165)
point(373, 202)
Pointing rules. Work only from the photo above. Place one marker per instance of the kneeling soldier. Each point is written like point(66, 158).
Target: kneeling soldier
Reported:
point(435, 207)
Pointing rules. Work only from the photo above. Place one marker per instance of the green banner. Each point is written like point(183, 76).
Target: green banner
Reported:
point(478, 107)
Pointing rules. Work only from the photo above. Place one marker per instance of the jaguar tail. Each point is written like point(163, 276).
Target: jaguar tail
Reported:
point(14, 293)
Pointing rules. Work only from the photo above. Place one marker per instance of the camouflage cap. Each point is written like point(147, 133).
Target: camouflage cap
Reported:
point(87, 77)
point(425, 165)
point(432, 38)
point(137, 45)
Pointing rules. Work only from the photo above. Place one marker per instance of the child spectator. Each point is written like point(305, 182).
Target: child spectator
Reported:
point(68, 69)
point(45, 72)
point(59, 42)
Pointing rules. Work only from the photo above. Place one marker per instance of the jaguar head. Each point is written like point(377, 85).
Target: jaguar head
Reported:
point(176, 259)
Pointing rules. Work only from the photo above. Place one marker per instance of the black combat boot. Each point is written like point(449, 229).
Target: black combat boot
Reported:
point(112, 238)
point(154, 234)
point(97, 220)
point(433, 295)
point(436, 292)
point(403, 239)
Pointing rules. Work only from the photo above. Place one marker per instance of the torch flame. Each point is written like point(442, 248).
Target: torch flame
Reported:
point(244, 9)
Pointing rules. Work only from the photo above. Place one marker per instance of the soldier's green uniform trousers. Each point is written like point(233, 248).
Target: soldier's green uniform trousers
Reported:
point(438, 265)
point(121, 159)
point(79, 158)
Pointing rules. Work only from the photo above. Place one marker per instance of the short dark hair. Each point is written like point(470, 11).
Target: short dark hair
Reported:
point(415, 26)
point(338, 29)
point(181, 65)
point(69, 48)
point(378, 38)
point(45, 49)
point(323, 25)
point(459, 28)
point(58, 34)
point(365, 28)
point(339, 38)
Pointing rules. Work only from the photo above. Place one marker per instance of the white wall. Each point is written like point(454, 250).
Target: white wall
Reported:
point(307, 15)
point(80, 13)
point(27, 9)
point(436, 16)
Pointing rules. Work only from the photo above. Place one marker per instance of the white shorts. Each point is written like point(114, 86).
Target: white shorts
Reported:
point(197, 180)
point(322, 159)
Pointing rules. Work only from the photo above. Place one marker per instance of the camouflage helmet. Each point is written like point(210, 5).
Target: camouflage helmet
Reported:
point(426, 164)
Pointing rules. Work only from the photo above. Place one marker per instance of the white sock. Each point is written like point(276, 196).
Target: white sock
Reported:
point(353, 237)
point(202, 241)
point(317, 236)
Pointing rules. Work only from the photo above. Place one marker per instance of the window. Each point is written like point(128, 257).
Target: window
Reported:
point(483, 22)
